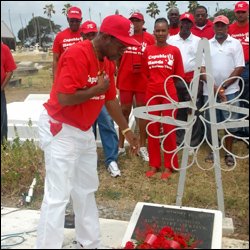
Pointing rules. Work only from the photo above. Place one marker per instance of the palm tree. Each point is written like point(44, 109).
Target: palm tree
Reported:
point(192, 5)
point(170, 5)
point(152, 9)
point(65, 9)
point(49, 10)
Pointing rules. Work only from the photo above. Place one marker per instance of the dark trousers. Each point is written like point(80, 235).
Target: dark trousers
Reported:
point(182, 114)
point(4, 119)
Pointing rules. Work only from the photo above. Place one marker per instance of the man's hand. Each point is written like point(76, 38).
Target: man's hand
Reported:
point(102, 83)
point(133, 141)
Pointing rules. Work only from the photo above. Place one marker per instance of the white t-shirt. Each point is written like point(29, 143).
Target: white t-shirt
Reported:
point(188, 49)
point(225, 58)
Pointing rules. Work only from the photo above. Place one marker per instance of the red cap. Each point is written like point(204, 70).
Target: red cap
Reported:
point(222, 19)
point(188, 16)
point(119, 27)
point(74, 12)
point(241, 6)
point(137, 15)
point(88, 27)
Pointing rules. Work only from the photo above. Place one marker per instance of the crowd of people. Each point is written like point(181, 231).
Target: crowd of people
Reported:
point(99, 76)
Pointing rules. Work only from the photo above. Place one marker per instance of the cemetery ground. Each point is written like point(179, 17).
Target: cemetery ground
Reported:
point(117, 197)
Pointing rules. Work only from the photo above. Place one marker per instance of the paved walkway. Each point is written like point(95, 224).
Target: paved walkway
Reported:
point(21, 225)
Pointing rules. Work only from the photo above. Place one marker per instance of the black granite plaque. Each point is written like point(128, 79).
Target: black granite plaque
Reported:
point(198, 224)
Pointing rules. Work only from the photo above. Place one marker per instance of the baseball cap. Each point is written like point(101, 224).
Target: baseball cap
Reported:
point(137, 15)
point(222, 19)
point(74, 12)
point(241, 6)
point(120, 27)
point(88, 27)
point(188, 16)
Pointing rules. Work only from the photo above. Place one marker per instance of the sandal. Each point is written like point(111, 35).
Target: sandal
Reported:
point(210, 158)
point(152, 172)
point(229, 160)
point(166, 174)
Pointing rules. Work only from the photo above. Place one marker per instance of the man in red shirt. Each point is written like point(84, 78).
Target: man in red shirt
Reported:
point(240, 31)
point(67, 37)
point(7, 67)
point(174, 21)
point(203, 27)
point(132, 80)
point(84, 83)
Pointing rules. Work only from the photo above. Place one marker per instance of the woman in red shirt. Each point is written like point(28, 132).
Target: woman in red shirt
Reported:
point(163, 61)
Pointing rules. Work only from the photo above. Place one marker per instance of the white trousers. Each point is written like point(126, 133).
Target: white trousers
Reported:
point(71, 170)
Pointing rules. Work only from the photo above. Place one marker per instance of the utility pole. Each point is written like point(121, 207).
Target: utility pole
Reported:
point(89, 14)
point(22, 29)
point(100, 16)
point(12, 30)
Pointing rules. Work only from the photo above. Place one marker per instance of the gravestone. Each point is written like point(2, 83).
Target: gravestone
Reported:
point(204, 224)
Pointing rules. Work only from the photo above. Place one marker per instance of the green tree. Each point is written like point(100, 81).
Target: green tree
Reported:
point(65, 8)
point(38, 33)
point(192, 5)
point(226, 12)
point(153, 10)
point(49, 10)
point(170, 5)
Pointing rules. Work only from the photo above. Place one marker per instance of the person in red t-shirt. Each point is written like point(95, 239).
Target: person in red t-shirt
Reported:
point(174, 21)
point(67, 37)
point(7, 67)
point(163, 61)
point(132, 80)
point(84, 83)
point(203, 27)
point(240, 30)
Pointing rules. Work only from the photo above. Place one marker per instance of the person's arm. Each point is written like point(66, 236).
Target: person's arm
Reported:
point(237, 72)
point(115, 111)
point(55, 62)
point(6, 79)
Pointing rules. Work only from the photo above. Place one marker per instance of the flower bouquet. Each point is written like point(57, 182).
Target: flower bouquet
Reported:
point(166, 238)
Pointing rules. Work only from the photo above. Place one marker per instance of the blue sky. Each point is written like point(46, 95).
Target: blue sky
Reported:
point(22, 10)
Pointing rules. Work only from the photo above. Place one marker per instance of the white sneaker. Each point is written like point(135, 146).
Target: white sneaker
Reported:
point(121, 151)
point(113, 169)
point(143, 152)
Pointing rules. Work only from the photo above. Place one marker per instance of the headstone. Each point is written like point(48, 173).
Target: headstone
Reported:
point(204, 225)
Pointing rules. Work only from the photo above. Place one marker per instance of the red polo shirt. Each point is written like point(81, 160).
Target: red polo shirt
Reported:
point(128, 79)
point(65, 39)
point(7, 61)
point(242, 34)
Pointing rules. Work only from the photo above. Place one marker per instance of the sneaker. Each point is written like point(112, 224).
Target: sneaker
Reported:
point(143, 152)
point(113, 169)
point(121, 151)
